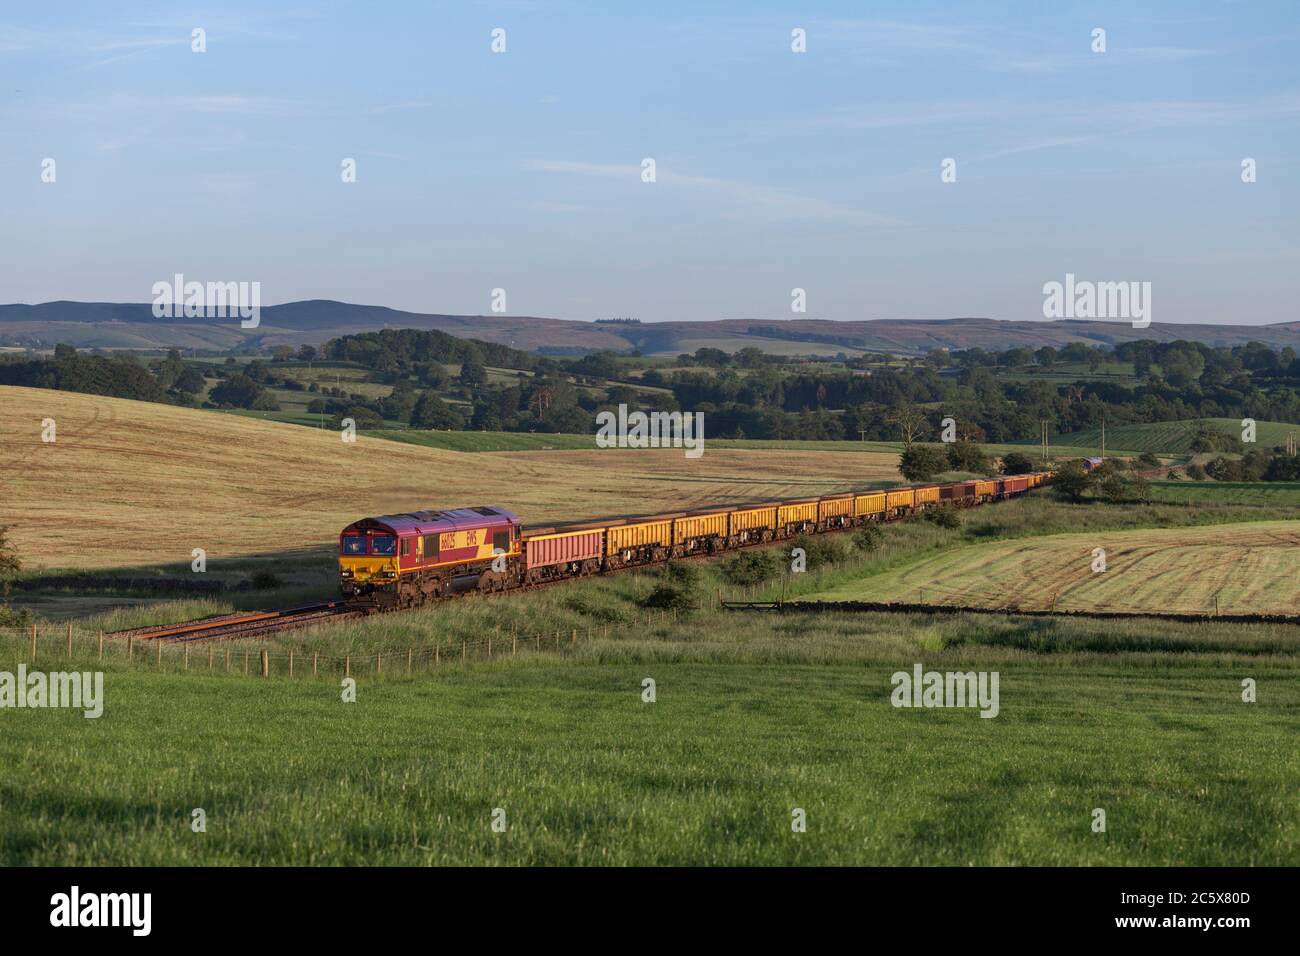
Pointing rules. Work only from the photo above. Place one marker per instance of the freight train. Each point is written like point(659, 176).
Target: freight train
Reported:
point(410, 559)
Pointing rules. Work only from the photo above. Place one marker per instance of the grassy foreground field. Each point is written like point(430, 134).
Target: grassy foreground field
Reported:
point(1234, 569)
point(588, 773)
point(755, 715)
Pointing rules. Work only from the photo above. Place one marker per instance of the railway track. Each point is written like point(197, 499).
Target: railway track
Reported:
point(250, 623)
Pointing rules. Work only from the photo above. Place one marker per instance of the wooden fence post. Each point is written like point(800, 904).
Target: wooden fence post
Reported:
point(186, 649)
point(514, 639)
point(313, 663)
point(437, 654)
point(69, 640)
point(101, 645)
point(410, 652)
point(227, 658)
point(291, 662)
point(266, 664)
point(462, 650)
point(246, 662)
point(379, 663)
point(489, 640)
point(33, 655)
point(157, 660)
point(209, 658)
point(573, 637)
point(347, 666)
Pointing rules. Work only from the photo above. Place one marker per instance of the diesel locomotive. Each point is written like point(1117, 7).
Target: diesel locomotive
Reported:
point(405, 560)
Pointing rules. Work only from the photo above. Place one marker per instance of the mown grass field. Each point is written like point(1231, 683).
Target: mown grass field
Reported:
point(1228, 569)
point(130, 484)
point(709, 773)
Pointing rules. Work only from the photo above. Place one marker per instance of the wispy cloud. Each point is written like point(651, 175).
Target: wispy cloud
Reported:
point(749, 196)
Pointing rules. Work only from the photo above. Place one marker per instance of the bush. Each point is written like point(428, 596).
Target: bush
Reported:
point(944, 518)
point(364, 418)
point(676, 588)
point(1071, 482)
point(668, 597)
point(750, 567)
point(1016, 463)
point(1113, 489)
point(1139, 489)
point(868, 538)
point(1196, 472)
point(967, 456)
point(819, 551)
point(1148, 460)
point(1283, 468)
point(265, 580)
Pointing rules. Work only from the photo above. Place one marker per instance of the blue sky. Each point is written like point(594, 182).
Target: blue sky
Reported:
point(775, 170)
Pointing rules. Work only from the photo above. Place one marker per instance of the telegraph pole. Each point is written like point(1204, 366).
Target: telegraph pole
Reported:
point(1103, 437)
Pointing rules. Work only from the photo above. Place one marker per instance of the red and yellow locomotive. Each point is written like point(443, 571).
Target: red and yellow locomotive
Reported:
point(408, 559)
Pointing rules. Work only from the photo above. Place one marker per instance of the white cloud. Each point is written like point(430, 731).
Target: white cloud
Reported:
point(750, 196)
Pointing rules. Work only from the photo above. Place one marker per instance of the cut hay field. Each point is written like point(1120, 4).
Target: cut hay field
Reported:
point(128, 484)
point(1247, 568)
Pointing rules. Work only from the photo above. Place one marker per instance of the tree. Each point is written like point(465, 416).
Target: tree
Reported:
point(431, 412)
point(9, 566)
point(282, 353)
point(238, 391)
point(1016, 463)
point(189, 382)
point(967, 456)
point(307, 353)
point(473, 373)
point(1071, 482)
point(921, 462)
point(9, 561)
point(910, 421)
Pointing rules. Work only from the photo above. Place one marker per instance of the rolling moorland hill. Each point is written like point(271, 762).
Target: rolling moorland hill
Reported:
point(128, 325)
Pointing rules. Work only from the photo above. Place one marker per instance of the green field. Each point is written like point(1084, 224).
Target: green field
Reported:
point(1201, 493)
point(530, 441)
point(756, 714)
point(1170, 438)
point(708, 774)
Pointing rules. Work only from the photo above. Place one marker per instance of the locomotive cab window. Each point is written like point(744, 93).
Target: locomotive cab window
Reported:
point(384, 544)
point(501, 541)
point(354, 544)
point(406, 547)
point(431, 547)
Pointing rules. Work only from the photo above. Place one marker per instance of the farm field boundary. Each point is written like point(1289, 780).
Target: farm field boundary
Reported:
point(815, 607)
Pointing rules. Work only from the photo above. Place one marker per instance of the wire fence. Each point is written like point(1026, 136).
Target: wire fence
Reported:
point(46, 643)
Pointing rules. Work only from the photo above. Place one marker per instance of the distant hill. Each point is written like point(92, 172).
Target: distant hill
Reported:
point(113, 325)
